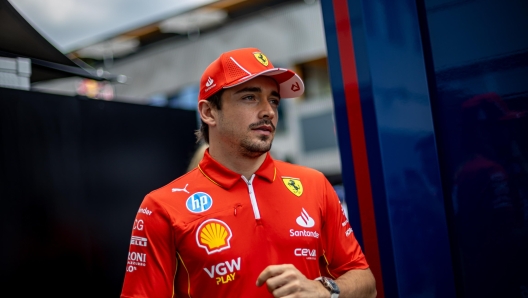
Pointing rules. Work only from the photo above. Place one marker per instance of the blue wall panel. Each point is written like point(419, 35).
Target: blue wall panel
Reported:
point(402, 153)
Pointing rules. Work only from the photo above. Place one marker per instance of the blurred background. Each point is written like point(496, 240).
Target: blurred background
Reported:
point(415, 109)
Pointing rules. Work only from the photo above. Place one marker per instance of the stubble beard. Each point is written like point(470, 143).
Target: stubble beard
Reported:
point(254, 149)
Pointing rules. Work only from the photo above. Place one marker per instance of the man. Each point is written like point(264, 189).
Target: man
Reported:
point(489, 197)
point(242, 224)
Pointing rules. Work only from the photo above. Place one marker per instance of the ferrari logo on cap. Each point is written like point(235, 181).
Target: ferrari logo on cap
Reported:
point(261, 58)
point(294, 185)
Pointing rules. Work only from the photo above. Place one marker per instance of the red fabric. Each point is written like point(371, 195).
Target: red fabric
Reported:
point(241, 65)
point(176, 258)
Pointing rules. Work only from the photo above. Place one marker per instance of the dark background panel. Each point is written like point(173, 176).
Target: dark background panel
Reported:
point(479, 73)
point(72, 175)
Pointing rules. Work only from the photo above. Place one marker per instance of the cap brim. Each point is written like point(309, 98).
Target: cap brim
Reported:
point(290, 84)
point(511, 115)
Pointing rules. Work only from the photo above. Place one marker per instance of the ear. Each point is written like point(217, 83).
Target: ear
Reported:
point(208, 114)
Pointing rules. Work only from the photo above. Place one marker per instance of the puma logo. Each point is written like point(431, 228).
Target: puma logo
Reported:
point(181, 189)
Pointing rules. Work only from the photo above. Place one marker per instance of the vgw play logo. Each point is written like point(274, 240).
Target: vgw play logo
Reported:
point(224, 272)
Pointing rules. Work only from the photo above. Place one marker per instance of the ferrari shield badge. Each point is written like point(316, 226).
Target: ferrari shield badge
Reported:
point(261, 58)
point(294, 185)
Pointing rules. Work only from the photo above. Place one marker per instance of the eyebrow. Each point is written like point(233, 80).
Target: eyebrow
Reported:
point(256, 89)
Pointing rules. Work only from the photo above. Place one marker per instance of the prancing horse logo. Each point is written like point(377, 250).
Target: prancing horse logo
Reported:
point(294, 185)
point(261, 58)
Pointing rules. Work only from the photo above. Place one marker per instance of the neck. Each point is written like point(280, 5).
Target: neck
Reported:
point(237, 162)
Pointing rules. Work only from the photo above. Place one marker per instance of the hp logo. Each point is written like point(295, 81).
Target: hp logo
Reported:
point(199, 202)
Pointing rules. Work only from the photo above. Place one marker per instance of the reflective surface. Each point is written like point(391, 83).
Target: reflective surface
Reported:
point(396, 121)
point(480, 56)
point(408, 152)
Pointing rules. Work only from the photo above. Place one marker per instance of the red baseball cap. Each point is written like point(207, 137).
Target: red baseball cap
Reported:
point(238, 66)
point(489, 106)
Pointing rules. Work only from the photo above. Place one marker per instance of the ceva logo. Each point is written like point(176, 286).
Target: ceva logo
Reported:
point(310, 254)
point(304, 252)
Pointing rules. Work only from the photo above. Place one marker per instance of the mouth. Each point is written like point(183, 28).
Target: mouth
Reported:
point(265, 128)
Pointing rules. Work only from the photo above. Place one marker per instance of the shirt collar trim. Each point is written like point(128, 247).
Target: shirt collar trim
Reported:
point(225, 178)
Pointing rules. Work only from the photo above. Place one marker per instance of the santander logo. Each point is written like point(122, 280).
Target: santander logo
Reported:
point(305, 220)
point(209, 82)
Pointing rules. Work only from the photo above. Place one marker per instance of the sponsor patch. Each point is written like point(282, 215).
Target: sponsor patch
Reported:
point(310, 254)
point(294, 185)
point(138, 224)
point(261, 58)
point(181, 189)
point(145, 211)
point(303, 233)
point(210, 87)
point(199, 202)
point(213, 235)
point(295, 87)
point(224, 272)
point(140, 241)
point(305, 220)
point(209, 82)
point(136, 259)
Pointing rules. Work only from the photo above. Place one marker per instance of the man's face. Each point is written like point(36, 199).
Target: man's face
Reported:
point(249, 116)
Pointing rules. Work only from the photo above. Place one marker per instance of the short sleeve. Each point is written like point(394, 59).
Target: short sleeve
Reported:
point(341, 251)
point(152, 263)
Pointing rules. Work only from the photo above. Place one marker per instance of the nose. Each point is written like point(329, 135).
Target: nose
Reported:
point(267, 110)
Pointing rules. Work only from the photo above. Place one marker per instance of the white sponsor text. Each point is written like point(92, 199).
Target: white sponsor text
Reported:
point(137, 259)
point(145, 211)
point(138, 224)
point(222, 269)
point(136, 240)
point(303, 233)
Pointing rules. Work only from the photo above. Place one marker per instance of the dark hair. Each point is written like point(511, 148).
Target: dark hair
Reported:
point(215, 100)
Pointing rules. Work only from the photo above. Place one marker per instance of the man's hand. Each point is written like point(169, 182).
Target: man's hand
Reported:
point(287, 281)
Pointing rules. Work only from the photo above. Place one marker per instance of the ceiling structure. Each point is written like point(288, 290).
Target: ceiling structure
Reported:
point(19, 39)
point(187, 25)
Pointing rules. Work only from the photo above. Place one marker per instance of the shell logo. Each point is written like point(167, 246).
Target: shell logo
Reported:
point(213, 235)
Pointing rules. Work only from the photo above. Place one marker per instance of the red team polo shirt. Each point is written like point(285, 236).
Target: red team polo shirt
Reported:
point(211, 232)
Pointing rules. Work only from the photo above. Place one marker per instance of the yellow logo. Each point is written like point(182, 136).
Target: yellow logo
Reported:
point(213, 235)
point(261, 58)
point(294, 185)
